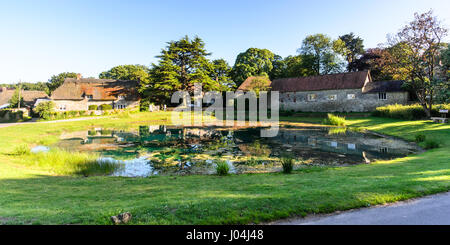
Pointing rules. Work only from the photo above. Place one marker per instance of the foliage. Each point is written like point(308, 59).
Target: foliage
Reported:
point(351, 48)
point(421, 40)
point(17, 99)
point(127, 72)
point(420, 138)
point(252, 62)
point(288, 164)
point(39, 86)
point(105, 107)
point(407, 112)
point(323, 50)
point(335, 120)
point(431, 144)
point(21, 150)
point(221, 73)
point(72, 163)
point(57, 80)
point(44, 109)
point(181, 64)
point(92, 107)
point(222, 168)
point(259, 84)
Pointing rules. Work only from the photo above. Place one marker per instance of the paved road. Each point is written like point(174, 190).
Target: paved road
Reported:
point(431, 210)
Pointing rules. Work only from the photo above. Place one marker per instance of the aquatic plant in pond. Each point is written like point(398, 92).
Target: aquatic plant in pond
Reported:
point(73, 163)
point(222, 168)
point(335, 120)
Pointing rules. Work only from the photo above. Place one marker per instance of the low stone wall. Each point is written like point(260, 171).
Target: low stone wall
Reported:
point(298, 101)
point(13, 115)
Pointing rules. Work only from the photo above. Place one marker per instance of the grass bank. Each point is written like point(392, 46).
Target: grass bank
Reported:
point(31, 195)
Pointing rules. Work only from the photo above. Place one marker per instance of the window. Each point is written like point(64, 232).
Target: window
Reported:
point(121, 106)
point(383, 149)
point(312, 97)
point(62, 107)
point(382, 96)
point(332, 97)
point(351, 96)
point(121, 97)
point(90, 97)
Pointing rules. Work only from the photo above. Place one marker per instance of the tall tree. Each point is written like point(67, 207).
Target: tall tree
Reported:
point(127, 72)
point(422, 40)
point(181, 64)
point(320, 48)
point(16, 100)
point(351, 49)
point(221, 73)
point(252, 62)
point(57, 80)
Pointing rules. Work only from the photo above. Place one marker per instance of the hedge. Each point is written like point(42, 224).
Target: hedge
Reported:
point(407, 112)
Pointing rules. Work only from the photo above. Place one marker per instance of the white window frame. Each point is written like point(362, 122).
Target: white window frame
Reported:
point(351, 96)
point(382, 96)
point(310, 97)
point(332, 97)
point(62, 107)
point(120, 97)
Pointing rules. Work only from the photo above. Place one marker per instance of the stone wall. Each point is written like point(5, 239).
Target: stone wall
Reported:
point(298, 101)
point(83, 105)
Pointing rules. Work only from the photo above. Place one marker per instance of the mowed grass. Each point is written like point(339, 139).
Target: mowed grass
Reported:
point(34, 196)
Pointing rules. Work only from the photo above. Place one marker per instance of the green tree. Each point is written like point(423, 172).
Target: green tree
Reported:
point(221, 73)
point(16, 100)
point(252, 62)
point(422, 43)
point(320, 47)
point(350, 47)
point(127, 72)
point(44, 109)
point(181, 64)
point(57, 80)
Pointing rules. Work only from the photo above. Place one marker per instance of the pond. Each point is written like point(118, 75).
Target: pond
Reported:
point(168, 150)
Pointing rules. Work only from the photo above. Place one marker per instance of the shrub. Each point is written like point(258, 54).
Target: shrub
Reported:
point(407, 112)
point(420, 138)
point(335, 120)
point(222, 168)
point(92, 107)
point(288, 164)
point(105, 107)
point(21, 150)
point(44, 109)
point(431, 144)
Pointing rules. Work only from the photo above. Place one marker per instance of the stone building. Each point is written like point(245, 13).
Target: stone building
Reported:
point(344, 92)
point(77, 94)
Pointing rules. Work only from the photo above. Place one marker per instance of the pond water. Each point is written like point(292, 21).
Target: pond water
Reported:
point(169, 150)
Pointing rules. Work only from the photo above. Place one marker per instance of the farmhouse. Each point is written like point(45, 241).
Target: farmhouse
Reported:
point(344, 92)
point(77, 94)
point(29, 97)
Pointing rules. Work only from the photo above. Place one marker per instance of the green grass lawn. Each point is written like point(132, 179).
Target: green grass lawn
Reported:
point(31, 195)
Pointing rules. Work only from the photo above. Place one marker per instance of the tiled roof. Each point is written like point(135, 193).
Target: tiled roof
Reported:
point(351, 80)
point(383, 86)
point(29, 96)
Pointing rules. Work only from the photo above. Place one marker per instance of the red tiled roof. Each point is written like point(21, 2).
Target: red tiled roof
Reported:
point(351, 80)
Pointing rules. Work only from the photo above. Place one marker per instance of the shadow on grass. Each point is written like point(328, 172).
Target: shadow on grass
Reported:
point(235, 199)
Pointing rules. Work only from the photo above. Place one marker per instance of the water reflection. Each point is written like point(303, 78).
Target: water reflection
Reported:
point(154, 150)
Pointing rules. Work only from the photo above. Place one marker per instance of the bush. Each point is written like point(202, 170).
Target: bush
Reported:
point(407, 112)
point(431, 144)
point(288, 164)
point(222, 168)
point(335, 120)
point(105, 107)
point(44, 109)
point(420, 138)
point(92, 107)
point(21, 150)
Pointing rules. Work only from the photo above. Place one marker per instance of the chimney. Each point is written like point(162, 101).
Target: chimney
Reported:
point(78, 76)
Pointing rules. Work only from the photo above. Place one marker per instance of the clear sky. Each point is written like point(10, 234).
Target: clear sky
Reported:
point(42, 38)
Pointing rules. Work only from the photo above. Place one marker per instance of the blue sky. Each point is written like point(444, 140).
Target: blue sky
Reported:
point(42, 38)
